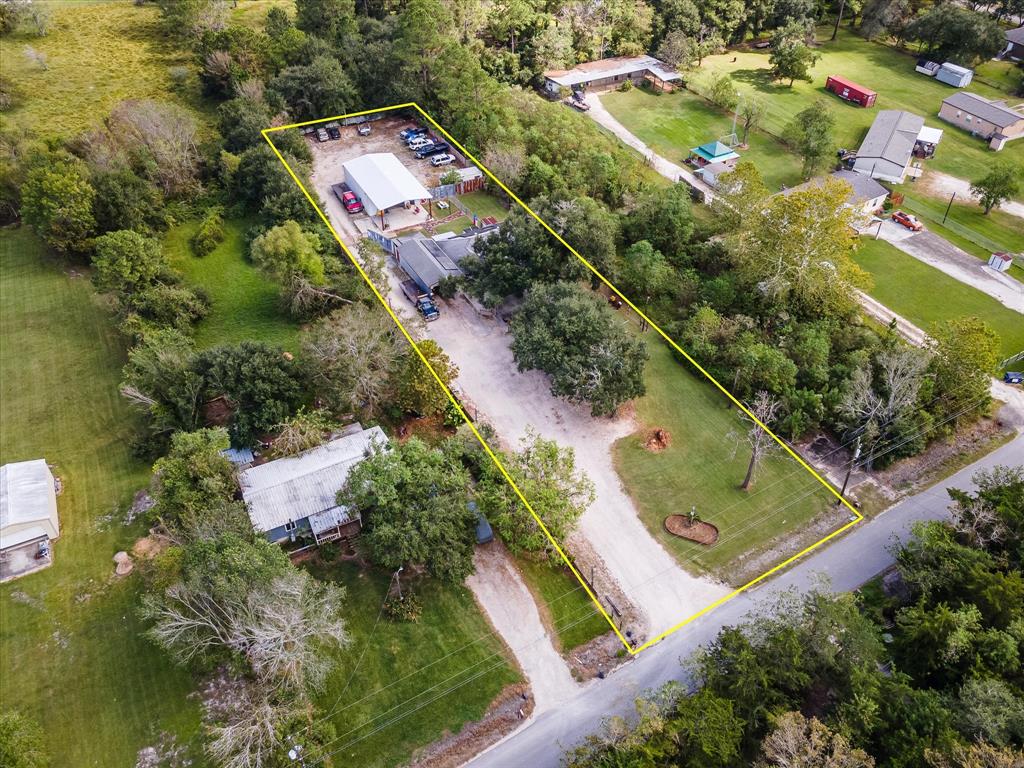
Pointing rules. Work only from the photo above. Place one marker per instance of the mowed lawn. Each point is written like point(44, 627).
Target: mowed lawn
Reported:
point(924, 295)
point(883, 69)
point(244, 304)
point(72, 653)
point(97, 54)
point(673, 123)
point(402, 685)
point(704, 466)
point(570, 611)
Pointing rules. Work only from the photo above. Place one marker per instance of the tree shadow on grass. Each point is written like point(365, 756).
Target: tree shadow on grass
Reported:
point(761, 80)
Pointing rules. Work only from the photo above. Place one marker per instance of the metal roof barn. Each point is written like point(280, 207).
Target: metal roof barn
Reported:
point(305, 486)
point(28, 503)
point(381, 182)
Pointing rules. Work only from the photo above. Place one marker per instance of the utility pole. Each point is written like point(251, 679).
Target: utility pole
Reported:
point(849, 470)
point(948, 206)
point(835, 30)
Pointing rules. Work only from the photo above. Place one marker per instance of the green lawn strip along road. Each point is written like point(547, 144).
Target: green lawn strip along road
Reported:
point(883, 69)
point(244, 304)
point(970, 229)
point(72, 652)
point(567, 602)
point(704, 465)
point(97, 54)
point(672, 123)
point(450, 644)
point(924, 295)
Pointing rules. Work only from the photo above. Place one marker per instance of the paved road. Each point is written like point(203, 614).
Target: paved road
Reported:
point(849, 562)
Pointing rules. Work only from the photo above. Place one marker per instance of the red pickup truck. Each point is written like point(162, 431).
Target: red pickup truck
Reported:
point(348, 198)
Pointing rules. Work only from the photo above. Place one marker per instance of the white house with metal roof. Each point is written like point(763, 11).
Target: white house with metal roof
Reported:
point(296, 496)
point(608, 73)
point(890, 144)
point(28, 517)
point(381, 181)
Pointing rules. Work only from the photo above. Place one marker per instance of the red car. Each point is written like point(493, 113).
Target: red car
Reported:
point(908, 221)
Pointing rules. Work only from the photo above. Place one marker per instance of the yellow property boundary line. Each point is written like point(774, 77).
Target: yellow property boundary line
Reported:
point(383, 301)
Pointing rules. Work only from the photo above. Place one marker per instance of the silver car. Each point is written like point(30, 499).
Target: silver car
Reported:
point(444, 159)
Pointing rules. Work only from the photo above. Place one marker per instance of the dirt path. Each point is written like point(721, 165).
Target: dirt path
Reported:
point(666, 168)
point(946, 257)
point(509, 605)
point(943, 185)
point(513, 402)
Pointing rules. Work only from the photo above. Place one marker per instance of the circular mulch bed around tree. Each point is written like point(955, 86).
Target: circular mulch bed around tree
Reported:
point(700, 532)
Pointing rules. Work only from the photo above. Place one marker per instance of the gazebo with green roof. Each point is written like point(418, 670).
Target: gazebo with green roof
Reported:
point(712, 152)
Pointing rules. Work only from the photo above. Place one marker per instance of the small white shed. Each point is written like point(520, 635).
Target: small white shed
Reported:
point(957, 76)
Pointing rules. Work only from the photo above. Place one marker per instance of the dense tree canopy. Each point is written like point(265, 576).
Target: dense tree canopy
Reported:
point(570, 334)
point(414, 503)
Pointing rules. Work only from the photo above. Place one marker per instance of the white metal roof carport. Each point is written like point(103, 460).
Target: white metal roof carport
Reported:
point(381, 181)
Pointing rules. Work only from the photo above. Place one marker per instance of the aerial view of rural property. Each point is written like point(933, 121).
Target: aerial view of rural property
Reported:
point(512, 383)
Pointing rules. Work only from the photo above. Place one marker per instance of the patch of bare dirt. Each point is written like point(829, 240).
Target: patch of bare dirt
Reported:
point(597, 657)
point(590, 564)
point(696, 530)
point(150, 546)
point(914, 472)
point(512, 706)
point(658, 440)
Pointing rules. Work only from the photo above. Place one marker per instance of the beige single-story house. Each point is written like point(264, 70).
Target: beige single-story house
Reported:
point(28, 517)
point(990, 119)
point(866, 194)
point(610, 73)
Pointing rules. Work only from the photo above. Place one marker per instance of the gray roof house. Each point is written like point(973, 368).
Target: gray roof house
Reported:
point(295, 496)
point(987, 118)
point(866, 195)
point(429, 259)
point(1014, 43)
point(886, 150)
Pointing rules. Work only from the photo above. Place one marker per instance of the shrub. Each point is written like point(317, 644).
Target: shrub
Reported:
point(405, 608)
point(627, 85)
point(451, 177)
point(448, 286)
point(210, 232)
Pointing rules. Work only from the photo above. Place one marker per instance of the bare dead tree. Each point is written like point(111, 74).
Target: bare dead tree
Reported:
point(765, 409)
point(355, 352)
point(250, 736)
point(167, 133)
point(873, 401)
point(978, 522)
point(307, 429)
point(281, 629)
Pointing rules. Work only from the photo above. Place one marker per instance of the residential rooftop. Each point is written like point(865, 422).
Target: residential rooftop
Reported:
point(989, 110)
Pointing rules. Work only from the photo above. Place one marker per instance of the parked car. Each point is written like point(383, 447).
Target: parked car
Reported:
point(322, 135)
point(1013, 377)
point(411, 133)
point(582, 106)
point(421, 300)
point(439, 160)
point(333, 130)
point(431, 149)
point(348, 198)
point(908, 221)
point(418, 142)
point(363, 129)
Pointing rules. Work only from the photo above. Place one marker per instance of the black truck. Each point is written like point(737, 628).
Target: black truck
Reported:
point(421, 300)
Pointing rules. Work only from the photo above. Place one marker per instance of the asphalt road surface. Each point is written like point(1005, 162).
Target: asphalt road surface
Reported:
point(848, 563)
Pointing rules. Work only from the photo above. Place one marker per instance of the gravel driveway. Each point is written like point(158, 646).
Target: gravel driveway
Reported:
point(940, 253)
point(513, 402)
point(943, 184)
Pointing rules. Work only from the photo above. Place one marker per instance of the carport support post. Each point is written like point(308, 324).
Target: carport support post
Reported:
point(381, 219)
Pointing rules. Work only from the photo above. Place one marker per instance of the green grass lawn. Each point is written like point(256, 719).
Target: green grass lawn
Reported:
point(484, 204)
point(672, 123)
point(1004, 75)
point(881, 68)
point(969, 228)
point(455, 225)
point(704, 466)
point(97, 54)
point(71, 651)
point(253, 13)
point(572, 613)
point(924, 295)
point(416, 680)
point(244, 305)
